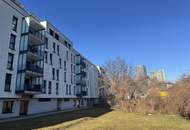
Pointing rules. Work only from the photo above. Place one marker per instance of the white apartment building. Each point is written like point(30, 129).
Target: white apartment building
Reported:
point(40, 69)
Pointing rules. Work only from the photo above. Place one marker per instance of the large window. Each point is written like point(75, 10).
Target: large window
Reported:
point(14, 23)
point(56, 36)
point(44, 86)
point(67, 55)
point(53, 73)
point(51, 59)
point(54, 47)
point(10, 61)
point(7, 107)
point(65, 65)
point(57, 88)
point(46, 57)
point(60, 63)
point(8, 82)
point(67, 89)
point(49, 88)
point(65, 77)
point(46, 43)
point(12, 42)
point(58, 49)
point(57, 74)
point(51, 32)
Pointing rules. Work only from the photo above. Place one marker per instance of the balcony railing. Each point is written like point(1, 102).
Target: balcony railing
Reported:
point(33, 88)
point(34, 68)
point(81, 82)
point(37, 36)
point(82, 91)
point(35, 51)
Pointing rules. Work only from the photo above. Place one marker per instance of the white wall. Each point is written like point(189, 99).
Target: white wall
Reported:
point(35, 106)
point(6, 14)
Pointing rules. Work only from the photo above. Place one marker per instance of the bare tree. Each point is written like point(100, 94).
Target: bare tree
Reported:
point(118, 79)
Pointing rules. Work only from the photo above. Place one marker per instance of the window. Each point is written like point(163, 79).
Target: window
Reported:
point(7, 107)
point(51, 32)
point(65, 42)
point(65, 65)
point(46, 43)
point(58, 49)
point(53, 73)
point(57, 74)
point(44, 87)
point(71, 78)
point(14, 23)
point(51, 59)
point(71, 68)
point(8, 82)
point(12, 42)
point(46, 57)
point(72, 58)
point(57, 88)
point(10, 61)
point(67, 89)
point(65, 77)
point(56, 36)
point(74, 79)
point(67, 55)
point(49, 88)
point(60, 63)
point(54, 47)
point(69, 46)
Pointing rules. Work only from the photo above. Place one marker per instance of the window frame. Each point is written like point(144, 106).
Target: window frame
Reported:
point(5, 109)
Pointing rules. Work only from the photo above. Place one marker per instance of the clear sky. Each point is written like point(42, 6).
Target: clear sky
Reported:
point(155, 33)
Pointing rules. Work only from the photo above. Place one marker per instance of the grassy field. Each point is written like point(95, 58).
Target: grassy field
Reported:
point(100, 119)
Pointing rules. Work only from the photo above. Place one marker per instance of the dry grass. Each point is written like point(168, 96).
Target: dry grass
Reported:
point(102, 119)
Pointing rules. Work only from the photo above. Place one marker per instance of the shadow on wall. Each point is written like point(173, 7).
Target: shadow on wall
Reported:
point(46, 121)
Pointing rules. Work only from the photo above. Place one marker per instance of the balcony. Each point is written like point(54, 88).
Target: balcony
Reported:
point(81, 82)
point(34, 53)
point(36, 37)
point(33, 88)
point(82, 91)
point(30, 89)
point(33, 70)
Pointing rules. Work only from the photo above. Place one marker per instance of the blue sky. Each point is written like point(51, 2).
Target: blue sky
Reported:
point(155, 33)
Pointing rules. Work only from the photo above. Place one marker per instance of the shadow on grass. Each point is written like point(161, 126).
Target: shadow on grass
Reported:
point(56, 119)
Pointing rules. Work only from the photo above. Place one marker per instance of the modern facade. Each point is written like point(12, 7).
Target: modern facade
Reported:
point(141, 72)
point(158, 75)
point(39, 67)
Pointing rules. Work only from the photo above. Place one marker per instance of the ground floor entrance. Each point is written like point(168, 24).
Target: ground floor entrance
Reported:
point(23, 107)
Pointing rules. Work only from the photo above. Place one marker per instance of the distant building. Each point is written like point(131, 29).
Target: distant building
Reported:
point(158, 75)
point(141, 72)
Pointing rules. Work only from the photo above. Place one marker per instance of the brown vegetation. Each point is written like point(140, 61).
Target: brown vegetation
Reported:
point(143, 95)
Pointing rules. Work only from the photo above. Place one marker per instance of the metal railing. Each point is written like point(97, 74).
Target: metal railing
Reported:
point(36, 88)
point(35, 51)
point(34, 68)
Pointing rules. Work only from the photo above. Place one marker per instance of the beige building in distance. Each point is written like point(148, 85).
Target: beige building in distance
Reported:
point(159, 75)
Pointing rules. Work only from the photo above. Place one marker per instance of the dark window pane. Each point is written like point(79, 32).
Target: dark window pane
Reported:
point(12, 42)
point(8, 82)
point(14, 23)
point(10, 61)
point(7, 107)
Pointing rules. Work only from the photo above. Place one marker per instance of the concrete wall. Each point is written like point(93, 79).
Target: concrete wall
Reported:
point(35, 106)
